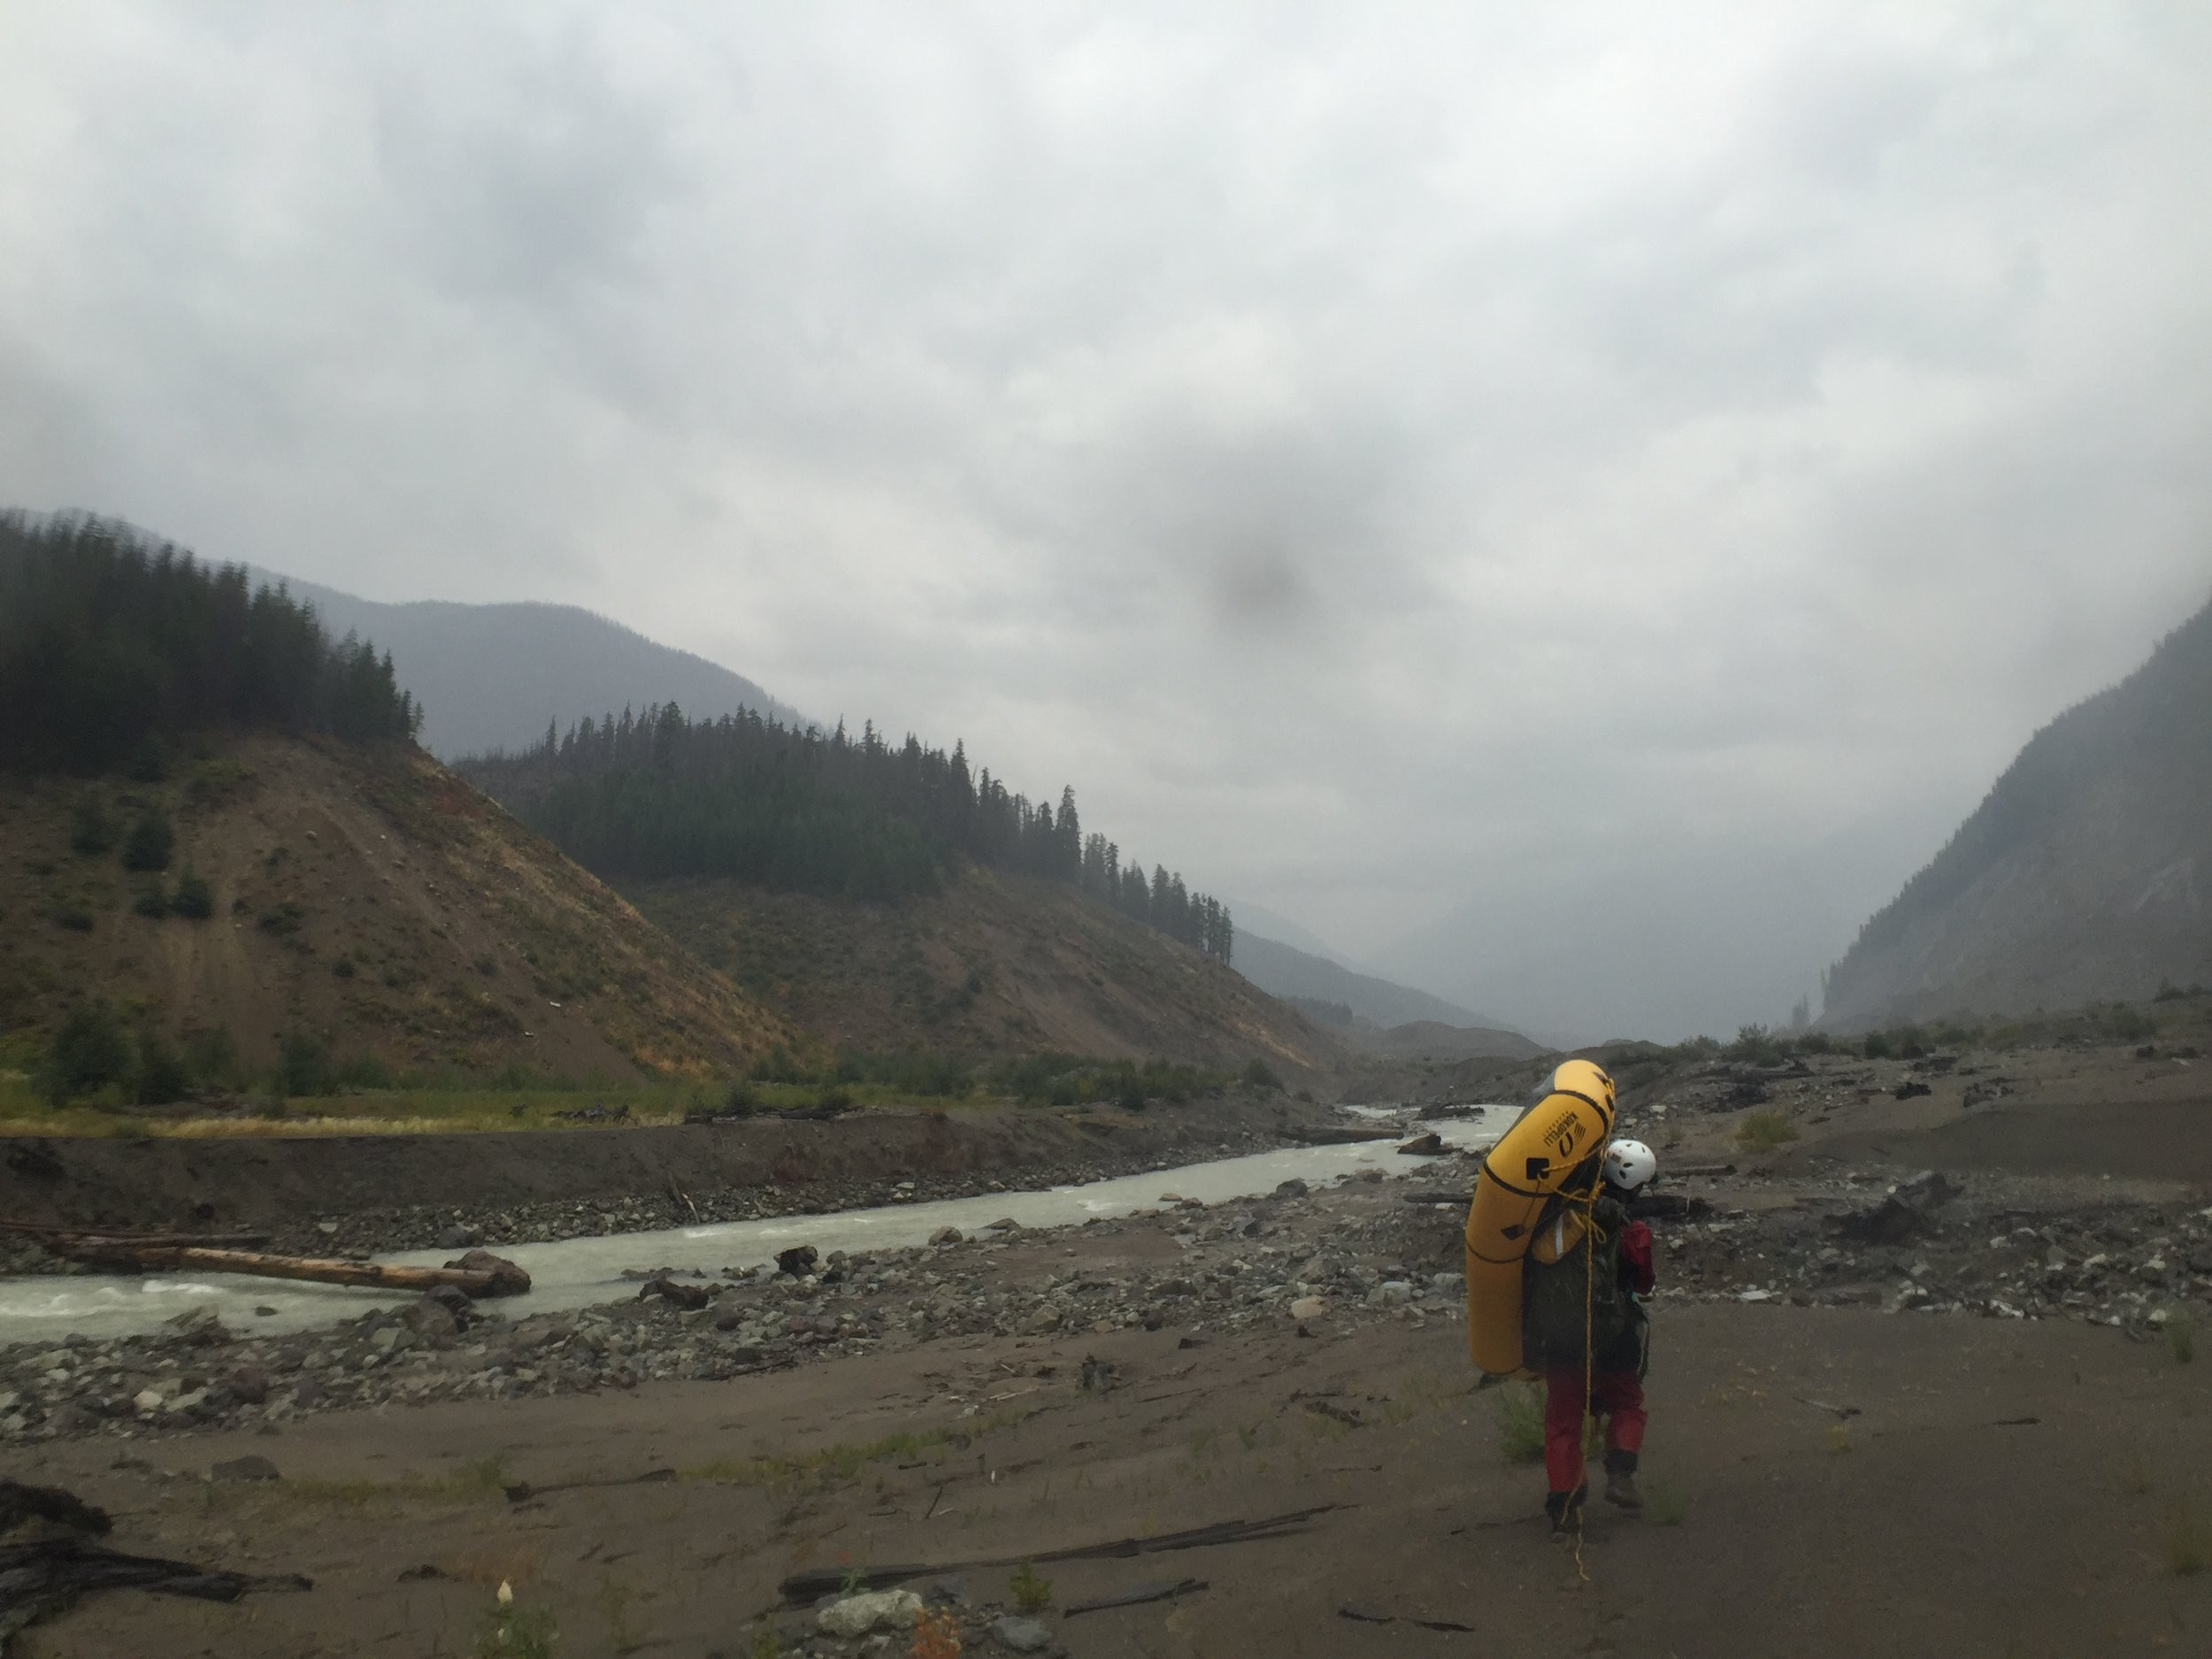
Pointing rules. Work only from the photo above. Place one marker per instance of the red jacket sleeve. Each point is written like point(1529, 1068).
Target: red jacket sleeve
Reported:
point(1636, 1267)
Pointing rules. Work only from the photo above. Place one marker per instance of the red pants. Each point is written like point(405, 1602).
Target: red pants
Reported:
point(1615, 1395)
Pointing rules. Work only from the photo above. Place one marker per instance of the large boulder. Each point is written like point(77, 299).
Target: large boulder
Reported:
point(507, 1278)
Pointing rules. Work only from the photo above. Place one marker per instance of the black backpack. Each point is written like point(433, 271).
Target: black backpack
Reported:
point(1580, 1294)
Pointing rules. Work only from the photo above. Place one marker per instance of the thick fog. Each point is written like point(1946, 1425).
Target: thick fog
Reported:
point(1571, 504)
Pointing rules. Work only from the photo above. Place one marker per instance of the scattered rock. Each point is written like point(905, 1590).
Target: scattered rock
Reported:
point(507, 1278)
point(200, 1326)
point(798, 1261)
point(1021, 1635)
point(690, 1298)
point(947, 1235)
point(1308, 1308)
point(1428, 1145)
point(880, 1609)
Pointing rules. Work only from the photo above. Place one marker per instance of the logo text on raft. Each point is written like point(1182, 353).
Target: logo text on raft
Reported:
point(1565, 1133)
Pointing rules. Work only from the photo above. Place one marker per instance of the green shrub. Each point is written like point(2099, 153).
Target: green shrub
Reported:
point(1259, 1075)
point(1765, 1130)
point(74, 916)
point(364, 1071)
point(149, 762)
point(283, 921)
point(303, 1066)
point(519, 1633)
point(194, 899)
point(1519, 1408)
point(92, 832)
point(1876, 1046)
point(2130, 1025)
point(742, 1098)
point(777, 1066)
point(89, 1052)
point(150, 902)
point(1031, 1594)
point(210, 1057)
point(835, 1098)
point(162, 1074)
point(1755, 1045)
point(150, 843)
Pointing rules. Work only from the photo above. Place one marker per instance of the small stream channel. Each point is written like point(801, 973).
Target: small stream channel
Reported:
point(575, 1272)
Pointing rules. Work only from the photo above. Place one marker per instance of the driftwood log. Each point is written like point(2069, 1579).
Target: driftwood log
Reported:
point(471, 1281)
point(811, 1583)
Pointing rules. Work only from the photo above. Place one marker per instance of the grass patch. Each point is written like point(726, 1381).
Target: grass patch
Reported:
point(1519, 1408)
point(1838, 1438)
point(2188, 1540)
point(513, 1632)
point(831, 1466)
point(2181, 1337)
point(1031, 1592)
point(1765, 1130)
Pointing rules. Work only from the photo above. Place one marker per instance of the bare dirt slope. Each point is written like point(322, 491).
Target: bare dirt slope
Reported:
point(993, 964)
point(367, 896)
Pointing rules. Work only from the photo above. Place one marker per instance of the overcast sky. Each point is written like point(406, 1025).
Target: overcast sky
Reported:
point(1571, 503)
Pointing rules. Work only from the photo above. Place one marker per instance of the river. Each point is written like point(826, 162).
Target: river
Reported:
point(575, 1272)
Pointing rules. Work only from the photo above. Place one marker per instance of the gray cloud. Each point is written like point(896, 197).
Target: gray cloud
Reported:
point(1571, 503)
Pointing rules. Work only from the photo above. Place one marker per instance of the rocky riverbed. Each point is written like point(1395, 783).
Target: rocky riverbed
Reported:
point(1355, 1253)
point(383, 1230)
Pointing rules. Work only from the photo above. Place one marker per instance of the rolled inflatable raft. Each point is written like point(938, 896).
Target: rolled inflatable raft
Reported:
point(1565, 1129)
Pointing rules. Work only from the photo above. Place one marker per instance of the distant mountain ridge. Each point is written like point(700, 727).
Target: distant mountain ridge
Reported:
point(493, 677)
point(1285, 971)
point(2085, 873)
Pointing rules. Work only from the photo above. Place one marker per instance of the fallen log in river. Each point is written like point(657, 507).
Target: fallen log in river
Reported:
point(478, 1274)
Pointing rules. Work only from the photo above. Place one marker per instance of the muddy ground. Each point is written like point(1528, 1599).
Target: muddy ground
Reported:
point(1974, 1433)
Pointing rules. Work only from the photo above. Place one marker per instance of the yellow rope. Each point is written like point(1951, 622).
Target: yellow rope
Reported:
point(1589, 1359)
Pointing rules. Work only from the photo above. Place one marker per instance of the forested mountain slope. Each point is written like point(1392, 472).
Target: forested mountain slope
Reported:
point(495, 676)
point(216, 831)
point(883, 896)
point(2086, 872)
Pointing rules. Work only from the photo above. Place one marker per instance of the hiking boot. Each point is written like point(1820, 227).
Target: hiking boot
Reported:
point(1565, 1509)
point(1620, 1488)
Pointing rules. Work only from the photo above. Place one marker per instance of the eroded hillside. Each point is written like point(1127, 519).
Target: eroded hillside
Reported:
point(992, 963)
point(362, 894)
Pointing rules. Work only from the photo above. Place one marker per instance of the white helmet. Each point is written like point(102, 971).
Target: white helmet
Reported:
point(1630, 1165)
